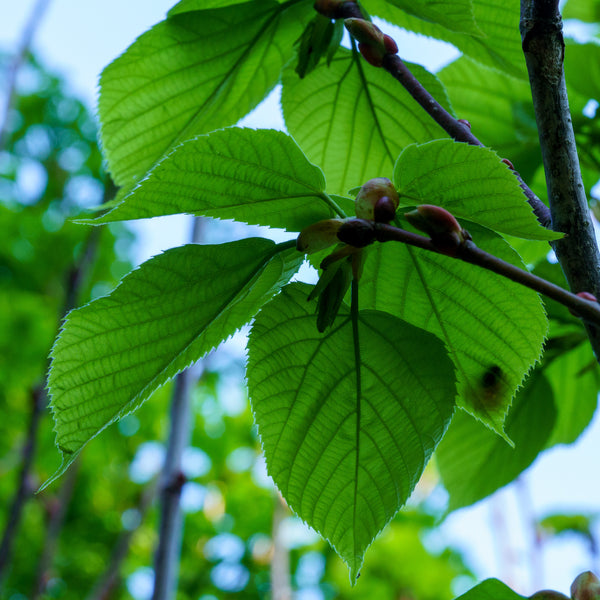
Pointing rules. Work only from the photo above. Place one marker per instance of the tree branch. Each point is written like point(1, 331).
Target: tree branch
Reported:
point(360, 233)
point(166, 561)
point(577, 251)
point(456, 129)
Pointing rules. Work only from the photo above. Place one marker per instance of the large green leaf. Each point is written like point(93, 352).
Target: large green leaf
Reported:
point(493, 328)
point(582, 69)
point(353, 120)
point(499, 109)
point(259, 177)
point(491, 589)
point(499, 46)
point(112, 353)
point(575, 379)
point(469, 181)
point(456, 15)
point(193, 73)
point(346, 430)
point(474, 462)
point(584, 10)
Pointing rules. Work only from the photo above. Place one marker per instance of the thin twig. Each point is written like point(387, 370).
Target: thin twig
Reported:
point(457, 130)
point(166, 560)
point(358, 232)
point(35, 18)
point(577, 251)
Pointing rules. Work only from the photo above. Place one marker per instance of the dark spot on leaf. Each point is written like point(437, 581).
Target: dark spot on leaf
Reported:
point(492, 377)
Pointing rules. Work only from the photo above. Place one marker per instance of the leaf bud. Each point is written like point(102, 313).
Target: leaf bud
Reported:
point(333, 9)
point(508, 164)
point(318, 236)
point(442, 227)
point(465, 123)
point(357, 233)
point(365, 32)
point(586, 586)
point(332, 295)
point(389, 44)
point(548, 595)
point(370, 194)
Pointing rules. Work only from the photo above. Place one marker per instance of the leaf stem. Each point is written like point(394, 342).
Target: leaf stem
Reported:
point(366, 232)
point(333, 205)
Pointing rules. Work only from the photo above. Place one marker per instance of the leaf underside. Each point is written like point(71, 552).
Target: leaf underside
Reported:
point(345, 455)
point(114, 352)
point(259, 177)
point(493, 328)
point(191, 74)
point(469, 181)
point(350, 96)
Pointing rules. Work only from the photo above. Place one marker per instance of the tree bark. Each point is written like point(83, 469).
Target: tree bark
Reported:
point(544, 48)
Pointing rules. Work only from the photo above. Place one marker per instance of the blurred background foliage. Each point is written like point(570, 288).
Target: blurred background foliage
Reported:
point(93, 534)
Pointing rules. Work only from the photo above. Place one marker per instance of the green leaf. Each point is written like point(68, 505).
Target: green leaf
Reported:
point(469, 181)
point(490, 589)
point(498, 45)
point(351, 96)
point(474, 462)
point(346, 444)
point(499, 109)
point(114, 352)
point(582, 69)
point(456, 15)
point(192, 5)
point(191, 74)
point(256, 176)
point(486, 321)
point(584, 10)
point(575, 379)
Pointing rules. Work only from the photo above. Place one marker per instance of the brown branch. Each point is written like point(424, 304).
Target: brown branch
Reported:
point(166, 560)
point(358, 232)
point(456, 129)
point(577, 251)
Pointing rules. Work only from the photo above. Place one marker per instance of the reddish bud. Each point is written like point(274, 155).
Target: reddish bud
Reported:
point(585, 296)
point(444, 230)
point(372, 55)
point(586, 586)
point(465, 123)
point(357, 233)
point(390, 45)
point(370, 194)
point(385, 210)
point(508, 164)
point(365, 32)
point(548, 595)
